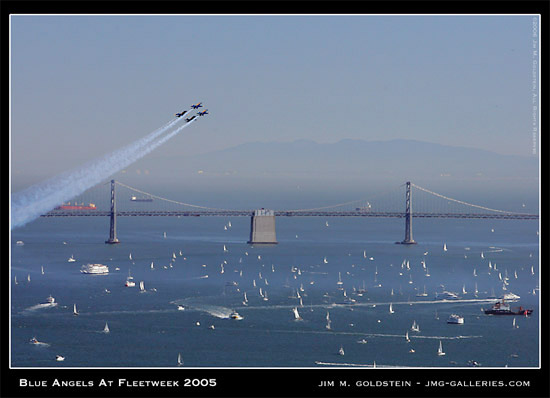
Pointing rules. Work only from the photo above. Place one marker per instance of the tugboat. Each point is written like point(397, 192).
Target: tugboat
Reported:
point(503, 308)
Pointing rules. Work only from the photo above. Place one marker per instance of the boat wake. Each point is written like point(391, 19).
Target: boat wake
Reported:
point(38, 307)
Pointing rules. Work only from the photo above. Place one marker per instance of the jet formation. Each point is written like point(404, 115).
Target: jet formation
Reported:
point(194, 106)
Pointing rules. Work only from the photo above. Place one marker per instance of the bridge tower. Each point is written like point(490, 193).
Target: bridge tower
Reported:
point(262, 227)
point(112, 232)
point(408, 218)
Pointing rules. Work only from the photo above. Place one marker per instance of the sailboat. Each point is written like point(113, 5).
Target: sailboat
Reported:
point(106, 328)
point(245, 301)
point(15, 280)
point(225, 249)
point(71, 259)
point(464, 289)
point(391, 309)
point(444, 247)
point(130, 256)
point(424, 294)
point(341, 351)
point(514, 324)
point(475, 273)
point(297, 316)
point(141, 287)
point(407, 336)
point(325, 260)
point(75, 312)
point(328, 327)
point(339, 283)
point(482, 256)
point(180, 361)
point(28, 277)
point(152, 265)
point(415, 327)
point(440, 349)
point(42, 269)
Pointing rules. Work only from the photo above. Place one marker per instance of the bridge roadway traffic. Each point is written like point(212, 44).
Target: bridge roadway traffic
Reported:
point(285, 213)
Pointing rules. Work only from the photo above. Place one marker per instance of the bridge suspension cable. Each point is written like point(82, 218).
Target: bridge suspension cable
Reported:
point(464, 203)
point(169, 200)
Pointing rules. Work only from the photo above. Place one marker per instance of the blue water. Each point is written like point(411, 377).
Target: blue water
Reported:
point(147, 329)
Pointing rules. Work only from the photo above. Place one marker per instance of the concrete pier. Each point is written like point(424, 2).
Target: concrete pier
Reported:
point(262, 227)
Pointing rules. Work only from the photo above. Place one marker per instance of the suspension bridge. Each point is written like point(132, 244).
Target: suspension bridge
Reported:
point(138, 203)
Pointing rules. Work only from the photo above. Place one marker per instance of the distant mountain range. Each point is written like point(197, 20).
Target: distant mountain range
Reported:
point(348, 158)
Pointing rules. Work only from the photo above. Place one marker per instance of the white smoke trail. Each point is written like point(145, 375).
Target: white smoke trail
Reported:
point(40, 198)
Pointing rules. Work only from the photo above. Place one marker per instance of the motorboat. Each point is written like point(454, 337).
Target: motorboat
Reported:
point(235, 315)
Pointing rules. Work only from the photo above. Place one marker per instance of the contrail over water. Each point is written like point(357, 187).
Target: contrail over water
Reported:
point(40, 198)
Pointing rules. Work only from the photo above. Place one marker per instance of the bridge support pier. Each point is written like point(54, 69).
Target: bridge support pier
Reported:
point(262, 227)
point(408, 218)
point(112, 232)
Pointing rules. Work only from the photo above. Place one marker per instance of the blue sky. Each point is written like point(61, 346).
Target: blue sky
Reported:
point(82, 86)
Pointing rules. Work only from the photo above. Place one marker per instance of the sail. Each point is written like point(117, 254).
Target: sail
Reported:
point(106, 328)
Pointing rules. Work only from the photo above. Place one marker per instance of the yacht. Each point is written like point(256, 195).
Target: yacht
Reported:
point(59, 358)
point(181, 307)
point(98, 269)
point(71, 259)
point(456, 319)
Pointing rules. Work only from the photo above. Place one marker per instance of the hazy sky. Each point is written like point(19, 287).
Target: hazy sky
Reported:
point(82, 86)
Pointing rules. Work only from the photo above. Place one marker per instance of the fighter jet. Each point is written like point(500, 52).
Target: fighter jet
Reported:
point(181, 114)
point(197, 105)
point(205, 112)
point(190, 118)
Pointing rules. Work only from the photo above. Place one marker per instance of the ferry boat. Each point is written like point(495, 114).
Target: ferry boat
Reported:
point(136, 199)
point(94, 269)
point(76, 206)
point(456, 319)
point(503, 308)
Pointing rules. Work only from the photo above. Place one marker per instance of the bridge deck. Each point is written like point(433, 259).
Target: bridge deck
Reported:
point(285, 213)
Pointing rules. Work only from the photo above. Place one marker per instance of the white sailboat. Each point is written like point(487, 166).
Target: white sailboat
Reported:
point(75, 312)
point(152, 265)
point(475, 272)
point(141, 287)
point(325, 260)
point(225, 249)
point(297, 316)
point(464, 289)
point(444, 247)
point(339, 283)
point(407, 336)
point(42, 269)
point(71, 259)
point(245, 301)
point(341, 351)
point(440, 349)
point(415, 327)
point(180, 360)
point(328, 327)
point(130, 256)
point(15, 280)
point(28, 277)
point(106, 328)
point(391, 309)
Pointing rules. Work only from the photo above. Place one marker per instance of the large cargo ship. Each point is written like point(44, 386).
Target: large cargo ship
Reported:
point(503, 308)
point(76, 206)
